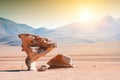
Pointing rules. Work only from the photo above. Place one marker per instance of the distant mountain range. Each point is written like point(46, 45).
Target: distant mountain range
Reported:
point(105, 29)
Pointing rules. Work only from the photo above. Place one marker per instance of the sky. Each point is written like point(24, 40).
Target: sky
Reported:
point(56, 13)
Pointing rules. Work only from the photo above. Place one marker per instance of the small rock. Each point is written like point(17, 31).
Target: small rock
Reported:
point(94, 66)
point(43, 68)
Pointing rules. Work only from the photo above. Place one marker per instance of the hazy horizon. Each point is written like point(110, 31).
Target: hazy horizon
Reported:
point(56, 13)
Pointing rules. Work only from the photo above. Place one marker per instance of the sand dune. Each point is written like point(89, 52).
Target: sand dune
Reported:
point(99, 61)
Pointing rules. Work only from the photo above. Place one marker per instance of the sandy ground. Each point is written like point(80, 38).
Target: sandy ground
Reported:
point(99, 61)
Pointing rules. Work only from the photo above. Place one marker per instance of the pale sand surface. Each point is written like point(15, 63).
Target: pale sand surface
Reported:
point(99, 61)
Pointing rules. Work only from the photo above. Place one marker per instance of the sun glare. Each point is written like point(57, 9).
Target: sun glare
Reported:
point(86, 16)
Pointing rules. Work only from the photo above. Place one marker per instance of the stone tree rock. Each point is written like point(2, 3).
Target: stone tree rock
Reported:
point(35, 47)
point(60, 61)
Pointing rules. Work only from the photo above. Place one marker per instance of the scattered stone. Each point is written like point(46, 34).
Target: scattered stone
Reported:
point(94, 66)
point(43, 68)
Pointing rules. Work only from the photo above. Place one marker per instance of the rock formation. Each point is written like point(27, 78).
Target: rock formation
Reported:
point(35, 47)
point(60, 61)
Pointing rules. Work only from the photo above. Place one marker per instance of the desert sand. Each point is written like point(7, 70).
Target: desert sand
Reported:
point(95, 61)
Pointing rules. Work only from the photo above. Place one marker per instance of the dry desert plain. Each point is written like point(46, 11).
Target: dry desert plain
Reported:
point(95, 61)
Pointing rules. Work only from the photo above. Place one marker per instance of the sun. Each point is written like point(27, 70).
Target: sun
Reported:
point(86, 16)
point(86, 19)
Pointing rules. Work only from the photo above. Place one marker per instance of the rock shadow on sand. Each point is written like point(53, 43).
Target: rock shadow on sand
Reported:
point(12, 70)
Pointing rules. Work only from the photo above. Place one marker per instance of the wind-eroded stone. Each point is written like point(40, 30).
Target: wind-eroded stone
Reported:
point(35, 47)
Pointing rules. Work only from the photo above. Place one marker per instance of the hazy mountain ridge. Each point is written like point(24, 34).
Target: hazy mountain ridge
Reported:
point(105, 29)
point(9, 31)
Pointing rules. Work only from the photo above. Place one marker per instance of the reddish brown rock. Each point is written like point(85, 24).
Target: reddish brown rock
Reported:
point(60, 61)
point(35, 47)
